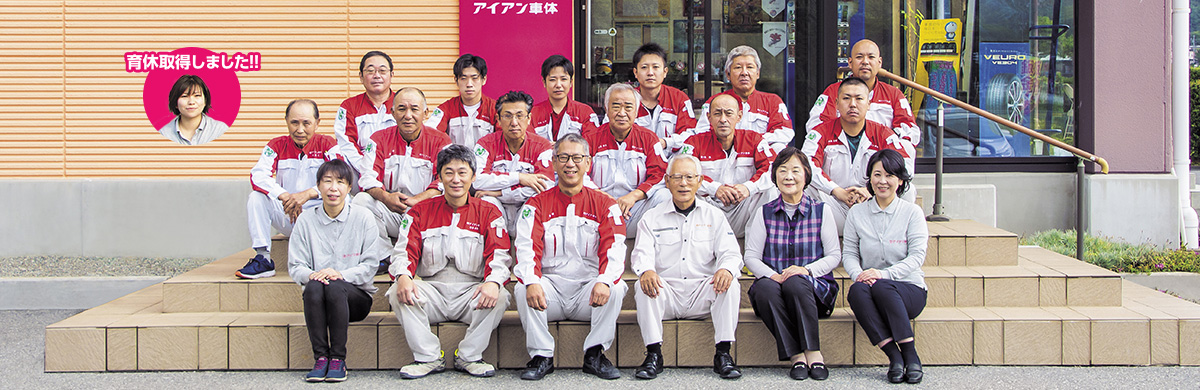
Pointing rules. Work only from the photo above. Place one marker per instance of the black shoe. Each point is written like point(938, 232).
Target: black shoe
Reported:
point(651, 367)
point(799, 371)
point(383, 266)
point(723, 366)
point(896, 372)
point(600, 367)
point(818, 372)
point(537, 368)
point(913, 374)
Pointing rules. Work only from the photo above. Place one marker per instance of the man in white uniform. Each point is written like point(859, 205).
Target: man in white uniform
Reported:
point(686, 257)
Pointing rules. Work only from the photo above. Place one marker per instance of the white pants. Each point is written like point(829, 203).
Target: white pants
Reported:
point(688, 299)
point(569, 300)
point(389, 222)
point(657, 196)
point(509, 210)
point(739, 214)
point(840, 209)
point(262, 213)
point(441, 302)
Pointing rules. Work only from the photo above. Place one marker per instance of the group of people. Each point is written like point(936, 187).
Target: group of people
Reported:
point(455, 203)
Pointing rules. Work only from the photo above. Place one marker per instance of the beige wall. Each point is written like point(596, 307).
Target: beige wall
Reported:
point(68, 109)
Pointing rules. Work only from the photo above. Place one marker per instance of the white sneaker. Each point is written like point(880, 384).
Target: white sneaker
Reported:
point(416, 370)
point(477, 368)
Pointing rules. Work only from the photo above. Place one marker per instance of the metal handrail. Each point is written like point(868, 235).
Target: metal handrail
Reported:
point(996, 118)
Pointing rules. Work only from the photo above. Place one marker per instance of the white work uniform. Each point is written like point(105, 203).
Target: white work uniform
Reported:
point(567, 245)
point(828, 150)
point(686, 251)
point(454, 252)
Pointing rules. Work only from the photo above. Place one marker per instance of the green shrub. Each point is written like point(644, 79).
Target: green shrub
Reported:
point(1194, 111)
point(1117, 256)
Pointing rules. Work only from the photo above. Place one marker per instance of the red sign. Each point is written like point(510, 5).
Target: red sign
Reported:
point(514, 37)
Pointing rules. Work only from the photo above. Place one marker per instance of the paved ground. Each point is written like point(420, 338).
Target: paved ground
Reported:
point(61, 266)
point(1185, 285)
point(22, 332)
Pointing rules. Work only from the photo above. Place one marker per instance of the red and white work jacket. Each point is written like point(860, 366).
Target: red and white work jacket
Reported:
point(747, 163)
point(499, 169)
point(888, 107)
point(284, 168)
point(472, 237)
point(762, 112)
point(401, 166)
point(575, 118)
point(357, 120)
point(463, 128)
point(570, 238)
point(829, 152)
point(618, 168)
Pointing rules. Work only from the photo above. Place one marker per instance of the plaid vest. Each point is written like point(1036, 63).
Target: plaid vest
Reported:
point(793, 240)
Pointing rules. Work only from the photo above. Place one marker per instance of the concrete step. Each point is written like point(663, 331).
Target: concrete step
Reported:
point(134, 334)
point(1040, 278)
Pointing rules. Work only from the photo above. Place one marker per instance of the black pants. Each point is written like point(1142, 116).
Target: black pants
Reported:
point(885, 308)
point(328, 312)
point(790, 311)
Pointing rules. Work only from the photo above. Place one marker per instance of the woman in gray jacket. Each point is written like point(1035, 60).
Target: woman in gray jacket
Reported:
point(884, 247)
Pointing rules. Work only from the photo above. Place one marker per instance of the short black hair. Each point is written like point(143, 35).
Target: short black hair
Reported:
point(455, 152)
point(184, 84)
point(470, 61)
point(852, 80)
point(893, 163)
point(784, 156)
point(649, 48)
point(515, 97)
point(288, 111)
point(339, 168)
point(373, 53)
point(557, 61)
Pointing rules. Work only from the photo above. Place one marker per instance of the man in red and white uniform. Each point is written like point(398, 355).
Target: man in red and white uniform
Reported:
point(285, 182)
point(734, 163)
point(403, 157)
point(628, 159)
point(839, 150)
point(361, 116)
point(514, 164)
point(457, 245)
point(560, 115)
point(888, 106)
point(665, 110)
point(763, 112)
point(469, 116)
point(570, 257)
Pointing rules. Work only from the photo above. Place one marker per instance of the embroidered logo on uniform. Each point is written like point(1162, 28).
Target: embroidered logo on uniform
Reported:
point(437, 112)
point(341, 114)
point(821, 101)
point(479, 150)
point(526, 212)
point(268, 152)
point(369, 148)
point(404, 222)
point(812, 136)
point(686, 149)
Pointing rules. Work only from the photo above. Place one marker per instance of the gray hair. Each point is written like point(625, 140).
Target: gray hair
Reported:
point(424, 102)
point(571, 138)
point(621, 87)
point(739, 51)
point(685, 156)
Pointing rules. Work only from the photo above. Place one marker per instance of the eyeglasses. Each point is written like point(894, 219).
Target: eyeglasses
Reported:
point(679, 177)
point(380, 71)
point(577, 158)
point(508, 117)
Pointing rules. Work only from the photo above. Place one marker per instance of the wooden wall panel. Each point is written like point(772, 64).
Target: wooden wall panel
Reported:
point(69, 109)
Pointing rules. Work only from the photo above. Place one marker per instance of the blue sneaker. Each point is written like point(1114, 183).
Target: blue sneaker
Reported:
point(337, 371)
point(258, 267)
point(318, 372)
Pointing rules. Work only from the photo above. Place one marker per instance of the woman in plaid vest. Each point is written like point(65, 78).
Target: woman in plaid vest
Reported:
point(792, 250)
